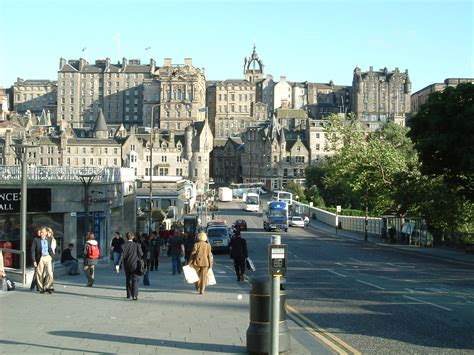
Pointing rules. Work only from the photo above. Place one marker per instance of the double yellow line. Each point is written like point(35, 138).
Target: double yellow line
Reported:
point(327, 338)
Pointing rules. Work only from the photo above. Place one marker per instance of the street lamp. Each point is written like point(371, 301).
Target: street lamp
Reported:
point(21, 152)
point(150, 145)
point(86, 180)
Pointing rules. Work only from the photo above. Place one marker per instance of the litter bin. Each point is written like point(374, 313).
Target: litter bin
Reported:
point(258, 332)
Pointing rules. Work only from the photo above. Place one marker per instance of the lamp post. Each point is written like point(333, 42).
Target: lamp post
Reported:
point(150, 196)
point(21, 152)
point(86, 180)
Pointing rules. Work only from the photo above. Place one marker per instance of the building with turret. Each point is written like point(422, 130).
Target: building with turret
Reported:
point(381, 96)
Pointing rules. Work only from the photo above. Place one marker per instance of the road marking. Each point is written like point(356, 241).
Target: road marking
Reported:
point(368, 283)
point(357, 261)
point(429, 303)
point(336, 273)
point(335, 343)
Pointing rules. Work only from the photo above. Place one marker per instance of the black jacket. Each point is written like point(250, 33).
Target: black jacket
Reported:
point(36, 249)
point(238, 248)
point(131, 252)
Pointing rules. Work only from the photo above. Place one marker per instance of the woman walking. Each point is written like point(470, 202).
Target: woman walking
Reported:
point(131, 252)
point(201, 260)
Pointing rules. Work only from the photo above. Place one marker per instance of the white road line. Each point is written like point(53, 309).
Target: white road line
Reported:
point(336, 273)
point(357, 261)
point(307, 262)
point(412, 291)
point(429, 303)
point(368, 283)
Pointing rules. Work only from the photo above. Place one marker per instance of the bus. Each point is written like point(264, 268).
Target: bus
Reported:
point(238, 190)
point(275, 216)
point(252, 202)
point(191, 224)
point(285, 196)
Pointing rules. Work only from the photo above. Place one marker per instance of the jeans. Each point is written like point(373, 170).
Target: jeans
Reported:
point(176, 262)
point(146, 278)
point(89, 270)
point(73, 266)
point(117, 256)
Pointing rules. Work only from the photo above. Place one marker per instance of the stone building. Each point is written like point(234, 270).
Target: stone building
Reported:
point(183, 95)
point(130, 92)
point(421, 96)
point(226, 161)
point(327, 98)
point(4, 106)
point(117, 89)
point(381, 96)
point(34, 96)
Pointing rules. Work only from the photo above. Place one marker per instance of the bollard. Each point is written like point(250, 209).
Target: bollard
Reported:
point(258, 332)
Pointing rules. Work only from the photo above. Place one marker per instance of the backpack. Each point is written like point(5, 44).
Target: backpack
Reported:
point(93, 252)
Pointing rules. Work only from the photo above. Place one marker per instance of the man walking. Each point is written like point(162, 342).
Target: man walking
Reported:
point(131, 252)
point(176, 246)
point(238, 252)
point(116, 247)
point(69, 261)
point(42, 256)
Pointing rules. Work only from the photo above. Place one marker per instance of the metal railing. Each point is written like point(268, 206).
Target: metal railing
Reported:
point(11, 175)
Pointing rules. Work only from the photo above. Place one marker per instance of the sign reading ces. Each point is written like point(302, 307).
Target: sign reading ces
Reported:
point(38, 200)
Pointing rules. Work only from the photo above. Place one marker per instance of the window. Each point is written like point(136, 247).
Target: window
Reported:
point(164, 158)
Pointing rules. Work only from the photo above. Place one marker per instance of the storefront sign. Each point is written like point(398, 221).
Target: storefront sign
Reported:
point(38, 200)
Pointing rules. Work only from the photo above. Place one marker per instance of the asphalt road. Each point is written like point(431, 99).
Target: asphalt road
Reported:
point(373, 299)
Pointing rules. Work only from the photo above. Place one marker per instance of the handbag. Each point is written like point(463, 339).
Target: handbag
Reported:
point(249, 264)
point(141, 267)
point(190, 274)
point(211, 279)
point(10, 284)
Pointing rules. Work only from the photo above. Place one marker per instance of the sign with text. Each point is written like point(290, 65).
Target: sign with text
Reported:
point(38, 200)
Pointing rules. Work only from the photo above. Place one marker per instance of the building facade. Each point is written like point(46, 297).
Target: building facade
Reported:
point(421, 96)
point(34, 96)
point(381, 96)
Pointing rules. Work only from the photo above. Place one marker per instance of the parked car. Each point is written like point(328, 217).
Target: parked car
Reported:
point(218, 238)
point(240, 225)
point(296, 221)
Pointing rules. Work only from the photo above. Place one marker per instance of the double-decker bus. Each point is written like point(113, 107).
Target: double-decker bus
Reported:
point(285, 196)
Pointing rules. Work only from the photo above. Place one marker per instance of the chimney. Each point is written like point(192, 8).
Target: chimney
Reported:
point(62, 63)
point(188, 61)
point(124, 63)
point(82, 63)
point(167, 62)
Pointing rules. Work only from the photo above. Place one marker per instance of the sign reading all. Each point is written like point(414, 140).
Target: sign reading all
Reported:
point(38, 200)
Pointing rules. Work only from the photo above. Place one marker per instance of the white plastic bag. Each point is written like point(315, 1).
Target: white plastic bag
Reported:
point(250, 265)
point(211, 279)
point(190, 274)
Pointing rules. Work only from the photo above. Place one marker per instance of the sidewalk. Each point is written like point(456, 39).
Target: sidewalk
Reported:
point(168, 318)
point(453, 255)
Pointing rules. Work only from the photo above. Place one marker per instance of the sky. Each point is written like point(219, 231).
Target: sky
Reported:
point(315, 41)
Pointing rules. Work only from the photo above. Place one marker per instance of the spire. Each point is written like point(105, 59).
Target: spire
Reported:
point(100, 128)
point(282, 136)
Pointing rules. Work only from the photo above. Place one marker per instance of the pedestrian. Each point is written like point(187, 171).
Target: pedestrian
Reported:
point(116, 247)
point(201, 260)
point(154, 250)
point(69, 261)
point(176, 249)
point(91, 255)
point(34, 284)
point(146, 249)
point(131, 252)
point(238, 252)
point(188, 246)
point(306, 221)
point(42, 256)
point(3, 274)
point(52, 239)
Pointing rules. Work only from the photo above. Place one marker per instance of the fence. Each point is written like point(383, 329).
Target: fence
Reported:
point(352, 223)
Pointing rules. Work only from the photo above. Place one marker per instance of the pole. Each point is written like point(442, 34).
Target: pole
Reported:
point(86, 180)
point(275, 308)
point(150, 196)
point(23, 211)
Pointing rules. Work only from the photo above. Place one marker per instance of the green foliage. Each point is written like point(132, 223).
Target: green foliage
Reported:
point(297, 190)
point(443, 134)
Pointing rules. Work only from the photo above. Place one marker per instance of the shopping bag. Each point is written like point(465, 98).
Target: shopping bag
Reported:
point(211, 279)
point(190, 274)
point(250, 265)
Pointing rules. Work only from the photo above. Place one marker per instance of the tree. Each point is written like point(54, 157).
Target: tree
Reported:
point(368, 163)
point(443, 134)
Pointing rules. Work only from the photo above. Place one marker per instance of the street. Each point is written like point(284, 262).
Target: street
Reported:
point(370, 298)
